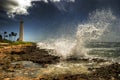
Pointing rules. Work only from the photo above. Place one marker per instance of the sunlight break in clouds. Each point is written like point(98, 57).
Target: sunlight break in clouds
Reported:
point(20, 7)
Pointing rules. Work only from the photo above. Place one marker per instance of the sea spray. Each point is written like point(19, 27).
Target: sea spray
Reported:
point(62, 47)
point(96, 26)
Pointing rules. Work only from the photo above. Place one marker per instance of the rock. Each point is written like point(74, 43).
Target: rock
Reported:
point(6, 79)
point(108, 72)
point(42, 57)
point(21, 78)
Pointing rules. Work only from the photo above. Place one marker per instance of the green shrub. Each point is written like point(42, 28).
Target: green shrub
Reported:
point(18, 43)
point(15, 43)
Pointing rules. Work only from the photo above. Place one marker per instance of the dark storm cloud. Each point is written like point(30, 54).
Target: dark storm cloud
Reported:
point(4, 4)
point(50, 16)
point(76, 9)
point(13, 7)
point(20, 7)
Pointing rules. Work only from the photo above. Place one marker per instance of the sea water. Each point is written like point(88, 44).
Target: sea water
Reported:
point(89, 39)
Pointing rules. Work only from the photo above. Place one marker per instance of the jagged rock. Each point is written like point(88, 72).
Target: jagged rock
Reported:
point(44, 59)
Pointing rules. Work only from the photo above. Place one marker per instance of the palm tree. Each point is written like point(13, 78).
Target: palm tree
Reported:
point(10, 36)
point(13, 35)
point(5, 34)
point(0, 37)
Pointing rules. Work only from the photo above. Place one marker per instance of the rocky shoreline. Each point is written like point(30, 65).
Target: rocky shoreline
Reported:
point(25, 65)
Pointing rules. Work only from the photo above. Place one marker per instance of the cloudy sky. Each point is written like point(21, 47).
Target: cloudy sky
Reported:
point(45, 19)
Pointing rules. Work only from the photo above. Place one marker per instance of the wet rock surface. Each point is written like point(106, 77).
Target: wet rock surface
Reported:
point(36, 55)
point(108, 72)
point(41, 57)
point(35, 65)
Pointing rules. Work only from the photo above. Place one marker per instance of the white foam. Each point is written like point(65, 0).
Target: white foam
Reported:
point(98, 23)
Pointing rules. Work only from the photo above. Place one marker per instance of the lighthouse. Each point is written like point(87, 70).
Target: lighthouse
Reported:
point(21, 32)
